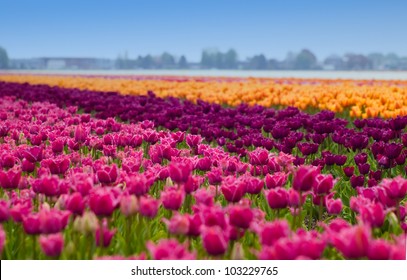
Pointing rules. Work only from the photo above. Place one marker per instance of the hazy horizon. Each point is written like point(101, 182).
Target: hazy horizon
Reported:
point(106, 29)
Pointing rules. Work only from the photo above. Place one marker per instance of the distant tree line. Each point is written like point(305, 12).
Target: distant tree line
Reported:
point(212, 58)
point(163, 61)
point(304, 60)
point(4, 60)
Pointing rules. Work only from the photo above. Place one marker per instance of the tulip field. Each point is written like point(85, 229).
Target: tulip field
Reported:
point(180, 168)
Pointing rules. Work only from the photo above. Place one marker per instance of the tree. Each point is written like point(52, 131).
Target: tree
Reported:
point(357, 62)
point(182, 63)
point(305, 60)
point(273, 64)
point(147, 62)
point(230, 59)
point(211, 58)
point(4, 60)
point(167, 60)
point(258, 62)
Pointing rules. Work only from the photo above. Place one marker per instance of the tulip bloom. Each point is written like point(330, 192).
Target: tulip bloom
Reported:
point(102, 202)
point(334, 206)
point(304, 178)
point(323, 184)
point(172, 198)
point(180, 172)
point(353, 242)
point(169, 249)
point(233, 192)
point(277, 198)
point(178, 224)
point(148, 206)
point(214, 240)
point(129, 205)
point(270, 232)
point(240, 216)
point(10, 179)
point(108, 174)
point(395, 188)
point(52, 245)
point(276, 180)
point(104, 233)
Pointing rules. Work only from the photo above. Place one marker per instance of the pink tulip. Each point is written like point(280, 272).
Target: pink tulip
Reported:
point(395, 188)
point(52, 245)
point(169, 249)
point(323, 184)
point(372, 214)
point(276, 180)
point(204, 196)
point(27, 166)
point(214, 240)
point(195, 222)
point(277, 198)
point(47, 185)
point(214, 177)
point(81, 183)
point(75, 203)
point(353, 242)
point(21, 209)
point(108, 174)
point(10, 179)
point(193, 140)
point(148, 206)
point(53, 220)
point(213, 216)
point(379, 250)
point(293, 198)
point(233, 192)
point(192, 184)
point(240, 216)
point(102, 202)
point(107, 235)
point(178, 224)
point(58, 145)
point(283, 249)
point(270, 232)
point(172, 198)
point(129, 205)
point(203, 164)
point(310, 244)
point(304, 178)
point(33, 154)
point(4, 211)
point(259, 157)
point(253, 185)
point(180, 172)
point(57, 165)
point(32, 224)
point(137, 184)
point(80, 134)
point(334, 206)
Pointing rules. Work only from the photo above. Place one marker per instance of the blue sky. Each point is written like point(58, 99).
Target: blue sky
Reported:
point(90, 28)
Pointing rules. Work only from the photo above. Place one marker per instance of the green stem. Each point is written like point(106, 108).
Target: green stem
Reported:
point(34, 244)
point(299, 212)
point(320, 209)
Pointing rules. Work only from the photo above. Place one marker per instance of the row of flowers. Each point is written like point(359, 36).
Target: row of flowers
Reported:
point(354, 98)
point(78, 187)
point(321, 139)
